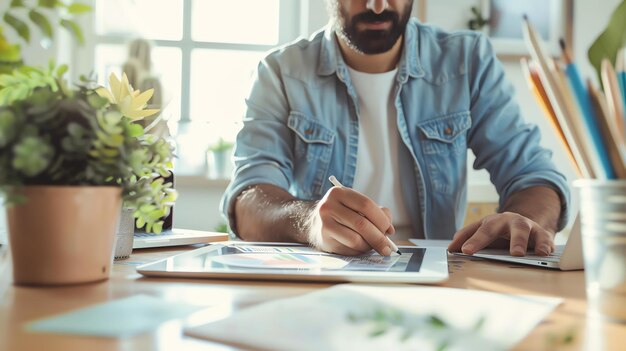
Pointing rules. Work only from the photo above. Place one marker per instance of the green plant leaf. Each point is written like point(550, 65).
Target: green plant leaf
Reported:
point(18, 25)
point(9, 53)
point(611, 40)
point(8, 129)
point(17, 3)
point(42, 22)
point(61, 70)
point(49, 4)
point(78, 8)
point(74, 29)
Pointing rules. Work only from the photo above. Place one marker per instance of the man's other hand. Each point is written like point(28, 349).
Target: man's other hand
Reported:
point(508, 229)
point(347, 222)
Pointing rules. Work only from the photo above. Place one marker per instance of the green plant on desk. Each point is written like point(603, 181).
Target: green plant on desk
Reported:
point(51, 134)
point(68, 157)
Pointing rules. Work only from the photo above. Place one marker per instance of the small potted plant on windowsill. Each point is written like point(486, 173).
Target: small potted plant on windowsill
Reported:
point(68, 158)
point(219, 159)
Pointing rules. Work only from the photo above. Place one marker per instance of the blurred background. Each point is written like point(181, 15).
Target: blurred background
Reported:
point(201, 55)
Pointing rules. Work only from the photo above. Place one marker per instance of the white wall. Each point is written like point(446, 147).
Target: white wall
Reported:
point(197, 207)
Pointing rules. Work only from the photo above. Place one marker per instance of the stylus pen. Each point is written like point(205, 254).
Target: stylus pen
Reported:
point(335, 182)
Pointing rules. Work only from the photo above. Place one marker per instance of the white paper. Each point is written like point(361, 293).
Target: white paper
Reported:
point(430, 243)
point(320, 320)
point(118, 318)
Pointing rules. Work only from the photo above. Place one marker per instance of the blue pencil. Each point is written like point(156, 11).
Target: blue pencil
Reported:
point(620, 68)
point(589, 117)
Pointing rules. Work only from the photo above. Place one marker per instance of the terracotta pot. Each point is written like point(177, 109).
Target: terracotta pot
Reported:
point(63, 234)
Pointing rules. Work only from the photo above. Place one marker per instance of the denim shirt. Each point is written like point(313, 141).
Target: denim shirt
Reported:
point(302, 125)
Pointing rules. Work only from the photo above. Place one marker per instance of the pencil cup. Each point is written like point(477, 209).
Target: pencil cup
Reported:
point(603, 228)
point(125, 235)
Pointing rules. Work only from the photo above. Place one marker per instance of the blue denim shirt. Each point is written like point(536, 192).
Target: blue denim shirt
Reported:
point(302, 125)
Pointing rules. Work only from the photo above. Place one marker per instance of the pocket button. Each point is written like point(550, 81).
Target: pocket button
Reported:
point(447, 131)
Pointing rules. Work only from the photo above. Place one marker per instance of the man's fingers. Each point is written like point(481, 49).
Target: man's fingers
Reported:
point(488, 231)
point(544, 241)
point(348, 238)
point(366, 206)
point(462, 235)
point(333, 246)
point(392, 229)
point(360, 225)
point(520, 229)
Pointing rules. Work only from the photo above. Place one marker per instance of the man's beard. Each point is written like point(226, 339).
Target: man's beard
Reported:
point(372, 41)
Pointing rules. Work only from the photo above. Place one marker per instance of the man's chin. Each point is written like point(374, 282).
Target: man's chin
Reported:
point(373, 46)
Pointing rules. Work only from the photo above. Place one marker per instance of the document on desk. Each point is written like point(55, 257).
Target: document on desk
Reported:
point(119, 318)
point(362, 317)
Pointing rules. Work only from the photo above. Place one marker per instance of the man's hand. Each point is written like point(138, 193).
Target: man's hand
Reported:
point(347, 222)
point(517, 232)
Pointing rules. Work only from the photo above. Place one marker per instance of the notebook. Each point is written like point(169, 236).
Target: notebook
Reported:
point(176, 237)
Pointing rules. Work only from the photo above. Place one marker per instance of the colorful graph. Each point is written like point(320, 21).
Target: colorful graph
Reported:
point(281, 261)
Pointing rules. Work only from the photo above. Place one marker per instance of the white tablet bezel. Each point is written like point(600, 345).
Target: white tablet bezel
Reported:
point(434, 269)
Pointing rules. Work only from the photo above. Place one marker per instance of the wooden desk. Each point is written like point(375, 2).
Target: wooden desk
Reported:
point(19, 305)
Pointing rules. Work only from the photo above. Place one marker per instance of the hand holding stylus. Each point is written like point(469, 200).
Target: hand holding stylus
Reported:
point(352, 224)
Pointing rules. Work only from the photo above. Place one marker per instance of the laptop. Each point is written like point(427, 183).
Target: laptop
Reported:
point(289, 261)
point(566, 257)
point(176, 237)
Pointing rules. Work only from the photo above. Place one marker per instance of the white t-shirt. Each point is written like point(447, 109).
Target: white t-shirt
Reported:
point(377, 173)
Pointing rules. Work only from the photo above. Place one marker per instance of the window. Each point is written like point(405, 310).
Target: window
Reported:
point(204, 53)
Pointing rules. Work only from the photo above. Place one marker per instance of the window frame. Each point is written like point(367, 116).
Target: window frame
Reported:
point(293, 23)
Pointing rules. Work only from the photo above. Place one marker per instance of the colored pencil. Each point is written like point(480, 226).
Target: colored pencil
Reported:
point(555, 95)
point(620, 68)
point(615, 147)
point(581, 97)
point(535, 85)
point(613, 95)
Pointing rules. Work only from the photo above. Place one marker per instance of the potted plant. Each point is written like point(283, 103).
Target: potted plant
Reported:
point(69, 156)
point(218, 159)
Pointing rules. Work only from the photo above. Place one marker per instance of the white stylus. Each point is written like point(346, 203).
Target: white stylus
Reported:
point(335, 182)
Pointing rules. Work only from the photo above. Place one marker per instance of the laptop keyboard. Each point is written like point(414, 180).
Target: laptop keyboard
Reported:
point(553, 257)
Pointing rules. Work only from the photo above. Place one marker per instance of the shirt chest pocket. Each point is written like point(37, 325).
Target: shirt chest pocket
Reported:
point(445, 135)
point(444, 145)
point(313, 146)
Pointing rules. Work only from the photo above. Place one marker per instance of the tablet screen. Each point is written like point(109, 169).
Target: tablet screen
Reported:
point(272, 258)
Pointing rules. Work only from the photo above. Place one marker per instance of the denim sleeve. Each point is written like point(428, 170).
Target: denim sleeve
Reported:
point(503, 143)
point(263, 150)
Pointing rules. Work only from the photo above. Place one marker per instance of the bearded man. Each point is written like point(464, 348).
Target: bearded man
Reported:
point(390, 107)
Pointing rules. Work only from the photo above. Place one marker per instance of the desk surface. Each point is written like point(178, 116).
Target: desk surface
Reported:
point(19, 305)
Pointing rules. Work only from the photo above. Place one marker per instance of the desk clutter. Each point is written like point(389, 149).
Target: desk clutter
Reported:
point(342, 317)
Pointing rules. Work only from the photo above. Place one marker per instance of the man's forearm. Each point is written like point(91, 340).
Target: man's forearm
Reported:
point(540, 204)
point(268, 213)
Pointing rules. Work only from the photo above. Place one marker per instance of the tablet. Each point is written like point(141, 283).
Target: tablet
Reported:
point(287, 261)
